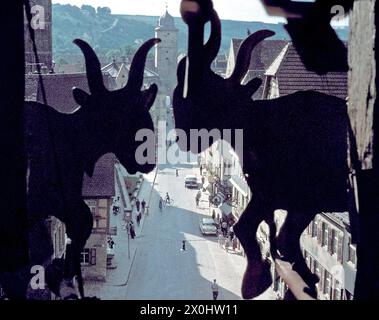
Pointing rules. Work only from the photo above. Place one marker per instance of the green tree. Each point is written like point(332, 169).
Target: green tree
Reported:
point(104, 11)
point(91, 10)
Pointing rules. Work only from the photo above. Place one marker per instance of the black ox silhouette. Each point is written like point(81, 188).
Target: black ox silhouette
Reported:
point(62, 147)
point(294, 153)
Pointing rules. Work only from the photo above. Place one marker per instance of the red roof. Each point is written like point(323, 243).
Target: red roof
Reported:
point(263, 54)
point(58, 88)
point(293, 76)
point(102, 183)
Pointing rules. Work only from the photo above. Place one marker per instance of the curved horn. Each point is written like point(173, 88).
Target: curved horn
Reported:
point(138, 64)
point(212, 47)
point(244, 53)
point(93, 68)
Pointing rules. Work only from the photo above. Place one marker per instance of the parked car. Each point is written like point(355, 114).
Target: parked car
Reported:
point(208, 226)
point(190, 181)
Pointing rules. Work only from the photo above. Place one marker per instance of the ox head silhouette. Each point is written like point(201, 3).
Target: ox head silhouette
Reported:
point(117, 116)
point(203, 99)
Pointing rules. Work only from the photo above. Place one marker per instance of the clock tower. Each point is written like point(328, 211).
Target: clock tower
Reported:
point(166, 53)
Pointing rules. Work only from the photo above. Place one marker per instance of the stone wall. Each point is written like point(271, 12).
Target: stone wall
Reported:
point(362, 87)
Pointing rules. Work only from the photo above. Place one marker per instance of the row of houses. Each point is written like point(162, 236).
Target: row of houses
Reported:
point(326, 243)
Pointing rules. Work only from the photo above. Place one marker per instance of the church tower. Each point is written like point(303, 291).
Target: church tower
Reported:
point(166, 53)
point(41, 11)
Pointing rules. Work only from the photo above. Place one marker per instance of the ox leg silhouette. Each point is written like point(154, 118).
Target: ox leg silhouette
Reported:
point(295, 147)
point(63, 147)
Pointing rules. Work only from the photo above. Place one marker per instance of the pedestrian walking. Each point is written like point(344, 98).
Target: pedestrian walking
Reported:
point(234, 242)
point(143, 205)
point(224, 228)
point(214, 289)
point(201, 170)
point(231, 233)
point(111, 243)
point(167, 199)
point(138, 205)
point(184, 245)
point(139, 218)
point(177, 172)
point(202, 180)
point(197, 199)
point(213, 214)
point(132, 231)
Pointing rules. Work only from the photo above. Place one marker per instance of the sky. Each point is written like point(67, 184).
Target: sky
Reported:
point(244, 10)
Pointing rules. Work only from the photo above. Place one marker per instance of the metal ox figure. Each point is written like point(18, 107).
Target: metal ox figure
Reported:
point(295, 147)
point(62, 147)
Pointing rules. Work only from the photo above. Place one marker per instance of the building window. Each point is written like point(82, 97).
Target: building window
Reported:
point(340, 247)
point(308, 259)
point(317, 268)
point(92, 205)
point(337, 291)
point(334, 242)
point(88, 257)
point(309, 229)
point(85, 257)
point(352, 254)
point(325, 235)
point(327, 283)
point(314, 228)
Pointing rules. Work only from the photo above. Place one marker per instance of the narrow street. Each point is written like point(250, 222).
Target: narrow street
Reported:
point(161, 270)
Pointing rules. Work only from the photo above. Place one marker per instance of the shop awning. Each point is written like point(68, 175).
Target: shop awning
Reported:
point(240, 184)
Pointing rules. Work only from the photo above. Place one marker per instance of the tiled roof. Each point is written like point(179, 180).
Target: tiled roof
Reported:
point(102, 183)
point(341, 218)
point(58, 88)
point(293, 76)
point(263, 54)
point(114, 69)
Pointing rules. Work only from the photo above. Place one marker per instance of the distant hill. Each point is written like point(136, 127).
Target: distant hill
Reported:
point(107, 32)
